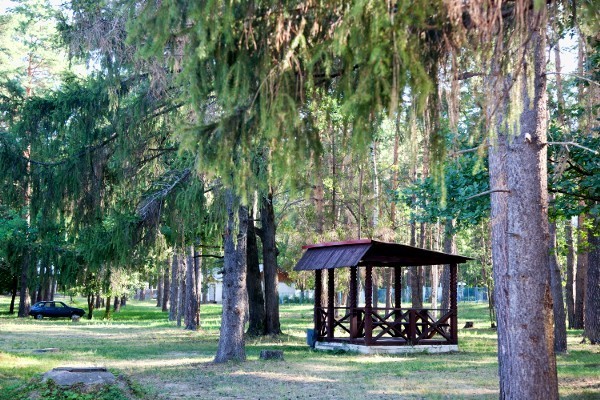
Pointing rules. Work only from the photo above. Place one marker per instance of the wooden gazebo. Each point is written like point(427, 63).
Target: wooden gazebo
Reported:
point(371, 329)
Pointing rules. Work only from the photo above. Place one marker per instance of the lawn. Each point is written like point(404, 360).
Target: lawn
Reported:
point(156, 359)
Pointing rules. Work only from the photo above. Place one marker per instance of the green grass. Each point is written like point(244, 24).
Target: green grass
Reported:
point(155, 359)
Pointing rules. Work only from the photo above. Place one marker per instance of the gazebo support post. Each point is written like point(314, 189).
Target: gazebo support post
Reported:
point(353, 302)
point(330, 301)
point(368, 305)
point(453, 305)
point(318, 305)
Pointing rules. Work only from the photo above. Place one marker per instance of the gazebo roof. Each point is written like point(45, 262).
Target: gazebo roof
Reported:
point(370, 252)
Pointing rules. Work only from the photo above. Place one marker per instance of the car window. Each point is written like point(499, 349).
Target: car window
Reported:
point(50, 304)
point(59, 305)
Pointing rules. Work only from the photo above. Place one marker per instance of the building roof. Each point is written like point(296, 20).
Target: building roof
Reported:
point(370, 252)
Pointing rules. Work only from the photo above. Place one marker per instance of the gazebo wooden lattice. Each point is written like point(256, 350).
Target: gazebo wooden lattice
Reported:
point(376, 329)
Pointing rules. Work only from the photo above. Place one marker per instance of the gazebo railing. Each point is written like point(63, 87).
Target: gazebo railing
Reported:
point(389, 326)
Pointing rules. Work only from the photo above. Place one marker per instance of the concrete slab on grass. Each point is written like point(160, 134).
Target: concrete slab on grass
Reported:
point(69, 376)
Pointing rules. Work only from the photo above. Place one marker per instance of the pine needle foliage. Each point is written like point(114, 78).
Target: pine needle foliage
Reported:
point(262, 62)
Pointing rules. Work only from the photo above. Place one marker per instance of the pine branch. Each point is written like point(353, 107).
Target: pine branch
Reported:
point(488, 192)
point(567, 144)
point(576, 76)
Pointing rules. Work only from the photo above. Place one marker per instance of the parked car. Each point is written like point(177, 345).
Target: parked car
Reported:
point(54, 309)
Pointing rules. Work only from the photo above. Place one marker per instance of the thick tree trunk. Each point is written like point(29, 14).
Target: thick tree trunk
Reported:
point(166, 288)
point(592, 294)
point(123, 300)
point(231, 340)
point(174, 291)
point(569, 285)
point(24, 303)
point(159, 290)
point(582, 260)
point(256, 299)
point(192, 315)
point(267, 217)
point(560, 327)
point(117, 304)
point(527, 364)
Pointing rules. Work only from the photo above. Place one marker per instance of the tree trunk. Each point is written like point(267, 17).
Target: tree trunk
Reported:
point(231, 340)
point(319, 200)
point(449, 247)
point(117, 304)
point(198, 282)
point(13, 294)
point(592, 294)
point(582, 259)
point(181, 298)
point(24, 302)
point(267, 217)
point(527, 364)
point(166, 288)
point(570, 264)
point(415, 273)
point(191, 294)
point(256, 299)
point(107, 307)
point(91, 300)
point(159, 290)
point(173, 292)
point(560, 327)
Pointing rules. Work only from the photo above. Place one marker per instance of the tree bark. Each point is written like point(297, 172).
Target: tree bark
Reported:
point(527, 364)
point(13, 294)
point(256, 299)
point(198, 282)
point(592, 297)
point(181, 297)
point(560, 327)
point(107, 307)
point(159, 290)
point(166, 288)
point(416, 290)
point(267, 217)
point(231, 340)
point(569, 285)
point(24, 302)
point(117, 304)
point(449, 247)
point(582, 259)
point(191, 295)
point(91, 299)
point(174, 291)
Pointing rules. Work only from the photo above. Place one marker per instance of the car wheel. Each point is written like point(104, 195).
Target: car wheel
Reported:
point(39, 316)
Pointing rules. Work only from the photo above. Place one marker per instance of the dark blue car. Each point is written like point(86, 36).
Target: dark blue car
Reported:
point(54, 309)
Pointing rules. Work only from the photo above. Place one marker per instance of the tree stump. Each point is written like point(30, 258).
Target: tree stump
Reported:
point(271, 354)
point(468, 325)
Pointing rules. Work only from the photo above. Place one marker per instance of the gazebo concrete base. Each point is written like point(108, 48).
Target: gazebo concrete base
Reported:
point(437, 348)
